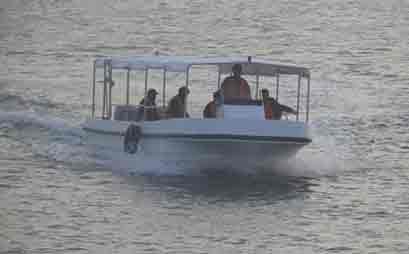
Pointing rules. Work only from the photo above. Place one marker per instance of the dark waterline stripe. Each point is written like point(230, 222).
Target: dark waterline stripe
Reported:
point(210, 136)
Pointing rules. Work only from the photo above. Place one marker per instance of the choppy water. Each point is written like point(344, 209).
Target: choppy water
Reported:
point(346, 193)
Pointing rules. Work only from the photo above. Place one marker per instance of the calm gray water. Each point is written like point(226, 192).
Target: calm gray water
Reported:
point(345, 193)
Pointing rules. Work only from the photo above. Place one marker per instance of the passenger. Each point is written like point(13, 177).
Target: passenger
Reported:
point(210, 109)
point(236, 87)
point(273, 109)
point(147, 109)
point(176, 107)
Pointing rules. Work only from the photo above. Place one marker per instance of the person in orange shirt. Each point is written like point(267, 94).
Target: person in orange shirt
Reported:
point(273, 109)
point(236, 87)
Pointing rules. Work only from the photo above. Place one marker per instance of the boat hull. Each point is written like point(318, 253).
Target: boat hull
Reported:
point(227, 145)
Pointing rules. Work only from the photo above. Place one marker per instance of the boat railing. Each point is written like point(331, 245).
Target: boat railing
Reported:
point(106, 110)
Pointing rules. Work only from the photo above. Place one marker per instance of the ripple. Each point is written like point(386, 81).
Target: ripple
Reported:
point(340, 249)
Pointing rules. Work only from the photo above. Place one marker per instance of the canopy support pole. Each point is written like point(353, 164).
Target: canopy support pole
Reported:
point(106, 98)
point(146, 80)
point(308, 99)
point(187, 86)
point(164, 88)
point(277, 84)
point(111, 84)
point(298, 96)
point(218, 78)
point(127, 85)
point(257, 84)
point(145, 94)
point(93, 89)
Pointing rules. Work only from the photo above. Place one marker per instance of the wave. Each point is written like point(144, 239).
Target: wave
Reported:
point(49, 137)
point(20, 102)
point(25, 119)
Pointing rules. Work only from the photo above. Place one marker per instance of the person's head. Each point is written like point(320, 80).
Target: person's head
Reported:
point(183, 91)
point(264, 93)
point(152, 94)
point(236, 69)
point(216, 95)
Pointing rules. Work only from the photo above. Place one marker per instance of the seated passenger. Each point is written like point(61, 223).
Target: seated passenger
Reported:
point(210, 109)
point(235, 87)
point(147, 109)
point(176, 107)
point(273, 109)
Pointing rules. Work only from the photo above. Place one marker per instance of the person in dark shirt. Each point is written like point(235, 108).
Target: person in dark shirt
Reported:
point(147, 109)
point(236, 87)
point(273, 109)
point(176, 107)
point(210, 109)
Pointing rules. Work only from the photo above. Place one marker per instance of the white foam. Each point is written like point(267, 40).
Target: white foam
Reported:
point(31, 118)
point(64, 140)
point(65, 143)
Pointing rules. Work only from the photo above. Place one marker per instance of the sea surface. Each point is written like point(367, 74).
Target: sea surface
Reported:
point(347, 192)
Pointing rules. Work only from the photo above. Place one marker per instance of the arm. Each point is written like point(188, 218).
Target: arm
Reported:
point(209, 111)
point(245, 89)
point(170, 111)
point(287, 109)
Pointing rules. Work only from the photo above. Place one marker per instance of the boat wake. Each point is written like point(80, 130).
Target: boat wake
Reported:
point(49, 137)
point(58, 140)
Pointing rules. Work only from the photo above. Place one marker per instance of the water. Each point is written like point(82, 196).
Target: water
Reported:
point(345, 193)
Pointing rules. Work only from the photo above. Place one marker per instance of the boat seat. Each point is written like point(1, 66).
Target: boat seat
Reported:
point(126, 113)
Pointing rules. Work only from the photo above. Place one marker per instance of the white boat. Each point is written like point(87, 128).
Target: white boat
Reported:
point(239, 136)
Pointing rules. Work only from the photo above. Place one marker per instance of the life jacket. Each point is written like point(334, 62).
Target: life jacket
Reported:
point(244, 89)
point(233, 90)
point(210, 110)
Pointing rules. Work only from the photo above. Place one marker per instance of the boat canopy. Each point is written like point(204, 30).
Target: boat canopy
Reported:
point(250, 65)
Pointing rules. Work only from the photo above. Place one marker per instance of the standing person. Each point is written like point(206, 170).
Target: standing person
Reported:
point(273, 109)
point(176, 107)
point(147, 107)
point(236, 87)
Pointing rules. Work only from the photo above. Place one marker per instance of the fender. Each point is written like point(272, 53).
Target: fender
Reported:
point(131, 139)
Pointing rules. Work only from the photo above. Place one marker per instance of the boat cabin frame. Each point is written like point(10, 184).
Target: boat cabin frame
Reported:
point(182, 64)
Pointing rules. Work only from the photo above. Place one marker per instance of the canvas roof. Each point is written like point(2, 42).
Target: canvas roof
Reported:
point(250, 65)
